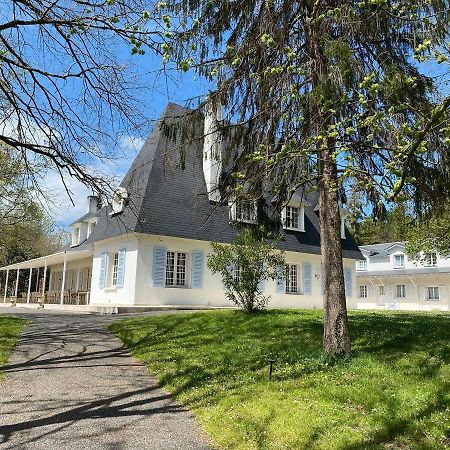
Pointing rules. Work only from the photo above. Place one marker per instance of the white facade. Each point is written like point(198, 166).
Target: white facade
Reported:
point(388, 279)
point(139, 285)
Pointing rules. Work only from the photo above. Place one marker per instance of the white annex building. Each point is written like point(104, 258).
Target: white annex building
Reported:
point(149, 247)
point(388, 279)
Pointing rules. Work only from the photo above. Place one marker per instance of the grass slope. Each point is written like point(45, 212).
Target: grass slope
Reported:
point(392, 394)
point(10, 328)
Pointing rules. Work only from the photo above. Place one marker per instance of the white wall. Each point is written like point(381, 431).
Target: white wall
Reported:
point(212, 293)
point(112, 295)
point(416, 289)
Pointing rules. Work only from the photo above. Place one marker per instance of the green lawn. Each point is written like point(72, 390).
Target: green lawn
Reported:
point(10, 328)
point(394, 393)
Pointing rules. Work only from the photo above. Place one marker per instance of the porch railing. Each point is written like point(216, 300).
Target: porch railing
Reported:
point(54, 297)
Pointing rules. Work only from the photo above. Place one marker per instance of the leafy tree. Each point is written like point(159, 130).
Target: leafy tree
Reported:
point(25, 230)
point(243, 264)
point(431, 233)
point(394, 226)
point(67, 85)
point(324, 95)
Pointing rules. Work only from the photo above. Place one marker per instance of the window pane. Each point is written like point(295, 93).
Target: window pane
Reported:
point(170, 264)
point(115, 267)
point(381, 290)
point(181, 269)
point(291, 279)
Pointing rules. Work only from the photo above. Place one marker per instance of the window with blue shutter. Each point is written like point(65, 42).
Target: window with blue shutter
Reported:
point(281, 280)
point(121, 268)
point(197, 269)
point(103, 264)
point(348, 282)
point(307, 288)
point(159, 267)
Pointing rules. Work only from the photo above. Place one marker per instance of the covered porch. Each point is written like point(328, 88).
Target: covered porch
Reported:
point(62, 278)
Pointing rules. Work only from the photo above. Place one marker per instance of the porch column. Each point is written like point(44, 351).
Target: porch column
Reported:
point(45, 277)
point(6, 285)
point(50, 280)
point(29, 285)
point(63, 285)
point(77, 284)
point(17, 283)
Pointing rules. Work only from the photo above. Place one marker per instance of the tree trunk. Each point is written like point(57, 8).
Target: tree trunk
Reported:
point(335, 337)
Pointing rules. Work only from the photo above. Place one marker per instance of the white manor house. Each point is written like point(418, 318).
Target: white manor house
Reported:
point(149, 247)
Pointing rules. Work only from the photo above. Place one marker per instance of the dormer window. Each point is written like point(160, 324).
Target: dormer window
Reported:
point(119, 200)
point(399, 261)
point(361, 265)
point(293, 217)
point(75, 236)
point(430, 260)
point(243, 211)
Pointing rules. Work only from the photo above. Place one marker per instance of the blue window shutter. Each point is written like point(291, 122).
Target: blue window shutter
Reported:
point(103, 263)
point(197, 269)
point(159, 267)
point(261, 284)
point(307, 289)
point(348, 281)
point(281, 281)
point(121, 268)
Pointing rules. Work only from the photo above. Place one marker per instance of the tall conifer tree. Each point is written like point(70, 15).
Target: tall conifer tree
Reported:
point(323, 94)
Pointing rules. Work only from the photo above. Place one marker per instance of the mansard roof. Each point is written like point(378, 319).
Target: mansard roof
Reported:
point(170, 200)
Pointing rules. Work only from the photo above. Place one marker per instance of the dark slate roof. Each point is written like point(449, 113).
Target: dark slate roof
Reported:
point(168, 200)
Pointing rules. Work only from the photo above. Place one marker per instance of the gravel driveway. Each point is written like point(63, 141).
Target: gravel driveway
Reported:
point(71, 385)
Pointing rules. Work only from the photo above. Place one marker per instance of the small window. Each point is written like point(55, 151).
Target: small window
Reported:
point(176, 269)
point(400, 290)
point(293, 217)
point(381, 290)
point(431, 260)
point(237, 273)
point(399, 261)
point(245, 211)
point(433, 293)
point(292, 279)
point(115, 266)
point(363, 293)
point(361, 265)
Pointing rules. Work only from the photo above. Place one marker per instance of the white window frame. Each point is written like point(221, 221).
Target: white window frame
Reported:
point(381, 289)
point(363, 291)
point(435, 293)
point(400, 291)
point(430, 260)
point(361, 265)
point(287, 217)
point(293, 279)
point(114, 268)
point(179, 277)
point(244, 211)
point(237, 273)
point(396, 264)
